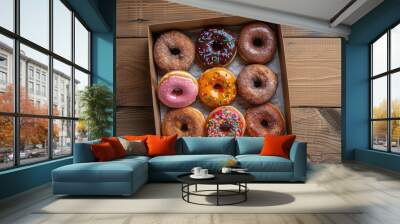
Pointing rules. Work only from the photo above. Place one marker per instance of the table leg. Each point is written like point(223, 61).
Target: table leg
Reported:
point(217, 194)
point(188, 189)
point(195, 188)
point(245, 193)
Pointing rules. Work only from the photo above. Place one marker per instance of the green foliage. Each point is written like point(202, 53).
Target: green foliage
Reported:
point(96, 103)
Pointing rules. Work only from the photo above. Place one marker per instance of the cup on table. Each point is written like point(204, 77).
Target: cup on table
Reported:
point(203, 172)
point(196, 171)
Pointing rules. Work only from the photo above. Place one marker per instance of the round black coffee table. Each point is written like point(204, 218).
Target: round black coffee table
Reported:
point(238, 179)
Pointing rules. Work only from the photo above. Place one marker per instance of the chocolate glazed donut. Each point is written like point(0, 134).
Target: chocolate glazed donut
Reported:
point(186, 121)
point(215, 47)
point(264, 119)
point(257, 43)
point(257, 83)
point(174, 50)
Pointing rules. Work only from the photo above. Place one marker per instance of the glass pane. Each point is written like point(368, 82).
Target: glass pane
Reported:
point(395, 129)
point(62, 29)
point(395, 94)
point(62, 138)
point(62, 89)
point(34, 79)
point(7, 14)
point(81, 81)
point(379, 55)
point(35, 21)
point(395, 47)
point(33, 139)
point(81, 131)
point(379, 135)
point(6, 74)
point(6, 142)
point(81, 45)
point(379, 97)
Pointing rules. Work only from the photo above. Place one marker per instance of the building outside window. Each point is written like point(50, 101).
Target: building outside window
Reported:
point(385, 91)
point(56, 128)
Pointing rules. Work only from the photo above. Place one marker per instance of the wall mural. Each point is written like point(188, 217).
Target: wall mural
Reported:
point(221, 81)
point(313, 67)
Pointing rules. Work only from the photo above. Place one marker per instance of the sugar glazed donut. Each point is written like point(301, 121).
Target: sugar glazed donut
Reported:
point(217, 87)
point(257, 43)
point(257, 83)
point(177, 89)
point(186, 121)
point(225, 121)
point(215, 47)
point(174, 50)
point(264, 119)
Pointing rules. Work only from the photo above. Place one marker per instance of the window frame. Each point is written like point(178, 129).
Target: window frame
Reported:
point(388, 74)
point(16, 115)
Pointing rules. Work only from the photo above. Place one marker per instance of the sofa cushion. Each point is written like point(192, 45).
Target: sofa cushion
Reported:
point(83, 152)
point(116, 145)
point(275, 145)
point(249, 145)
point(161, 145)
point(113, 171)
point(185, 163)
point(103, 152)
point(207, 145)
point(257, 163)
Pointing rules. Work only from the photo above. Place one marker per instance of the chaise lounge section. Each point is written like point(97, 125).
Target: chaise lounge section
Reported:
point(125, 176)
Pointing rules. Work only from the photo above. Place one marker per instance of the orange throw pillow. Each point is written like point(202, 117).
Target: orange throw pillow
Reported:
point(277, 145)
point(103, 152)
point(161, 145)
point(135, 138)
point(116, 145)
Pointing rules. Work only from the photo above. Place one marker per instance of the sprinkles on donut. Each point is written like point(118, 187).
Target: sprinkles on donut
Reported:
point(225, 121)
point(215, 46)
point(217, 87)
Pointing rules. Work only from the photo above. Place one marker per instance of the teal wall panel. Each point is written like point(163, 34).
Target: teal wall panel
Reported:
point(356, 100)
point(24, 178)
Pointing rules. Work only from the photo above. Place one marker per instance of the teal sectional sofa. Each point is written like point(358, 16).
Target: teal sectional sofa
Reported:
point(125, 176)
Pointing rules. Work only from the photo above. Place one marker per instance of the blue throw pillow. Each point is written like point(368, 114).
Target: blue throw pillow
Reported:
point(249, 145)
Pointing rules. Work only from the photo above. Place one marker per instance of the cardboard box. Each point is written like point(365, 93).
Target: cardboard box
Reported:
point(156, 29)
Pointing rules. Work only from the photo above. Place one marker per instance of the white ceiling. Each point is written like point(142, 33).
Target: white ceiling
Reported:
point(319, 9)
point(318, 15)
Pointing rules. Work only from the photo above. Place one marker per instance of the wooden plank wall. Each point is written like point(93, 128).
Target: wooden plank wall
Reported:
point(313, 63)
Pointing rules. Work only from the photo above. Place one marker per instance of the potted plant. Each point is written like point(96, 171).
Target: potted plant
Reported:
point(96, 102)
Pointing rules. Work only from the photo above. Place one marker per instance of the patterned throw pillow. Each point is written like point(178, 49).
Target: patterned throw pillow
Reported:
point(134, 147)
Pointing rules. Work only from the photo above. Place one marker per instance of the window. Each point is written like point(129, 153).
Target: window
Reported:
point(42, 123)
point(3, 61)
point(385, 91)
point(30, 87)
point(81, 45)
point(7, 14)
point(30, 72)
point(35, 21)
point(3, 78)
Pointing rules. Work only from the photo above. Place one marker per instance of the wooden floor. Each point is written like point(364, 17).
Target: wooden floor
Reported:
point(379, 189)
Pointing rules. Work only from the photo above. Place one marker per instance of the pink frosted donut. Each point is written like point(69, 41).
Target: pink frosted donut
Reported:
point(177, 89)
